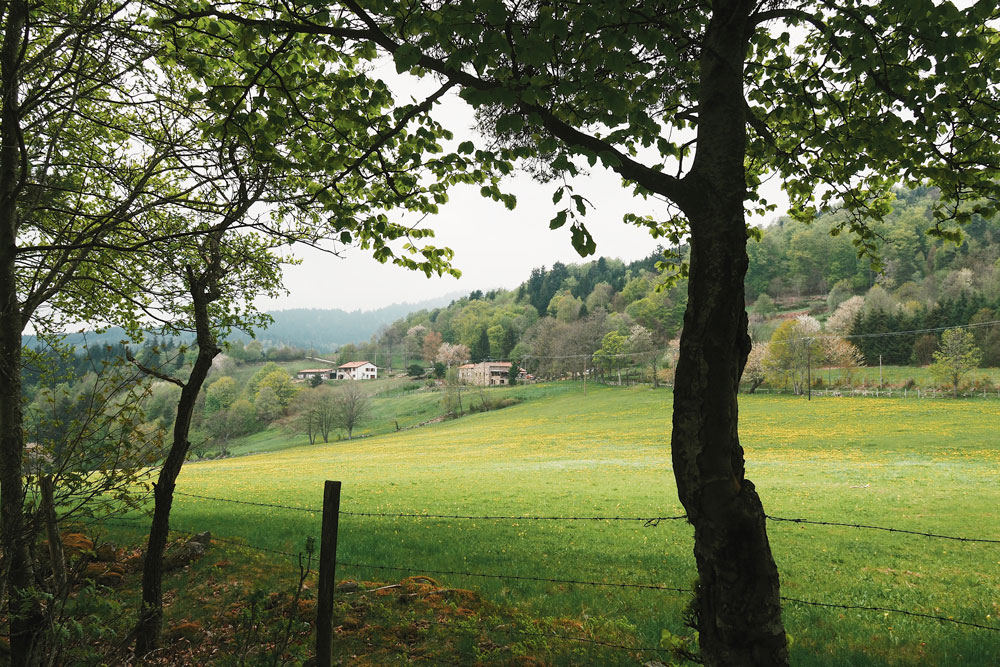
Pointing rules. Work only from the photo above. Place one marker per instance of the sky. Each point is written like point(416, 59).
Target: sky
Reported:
point(494, 247)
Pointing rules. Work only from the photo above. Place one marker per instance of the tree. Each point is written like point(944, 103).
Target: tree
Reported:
point(449, 354)
point(794, 349)
point(612, 354)
point(723, 81)
point(220, 395)
point(280, 383)
point(315, 413)
point(351, 406)
point(432, 341)
point(843, 319)
point(415, 371)
point(956, 356)
point(755, 372)
point(267, 405)
point(764, 306)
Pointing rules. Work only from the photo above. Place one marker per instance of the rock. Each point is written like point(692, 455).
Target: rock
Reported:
point(93, 571)
point(187, 552)
point(106, 553)
point(348, 586)
point(105, 574)
point(75, 543)
point(113, 576)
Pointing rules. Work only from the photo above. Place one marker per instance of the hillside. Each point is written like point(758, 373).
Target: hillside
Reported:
point(609, 314)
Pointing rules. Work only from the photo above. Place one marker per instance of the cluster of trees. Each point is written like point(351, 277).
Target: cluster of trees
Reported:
point(792, 260)
point(552, 324)
point(320, 410)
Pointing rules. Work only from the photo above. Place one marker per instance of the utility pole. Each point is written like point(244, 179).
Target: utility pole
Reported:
point(880, 371)
point(809, 384)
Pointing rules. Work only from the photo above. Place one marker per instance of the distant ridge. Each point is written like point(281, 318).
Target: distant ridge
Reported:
point(321, 329)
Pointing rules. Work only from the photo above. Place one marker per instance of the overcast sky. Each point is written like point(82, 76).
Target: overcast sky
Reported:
point(494, 247)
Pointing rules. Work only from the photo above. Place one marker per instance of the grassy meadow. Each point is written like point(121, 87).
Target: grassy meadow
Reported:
point(926, 465)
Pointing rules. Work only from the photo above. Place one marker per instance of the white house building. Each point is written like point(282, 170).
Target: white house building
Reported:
point(357, 370)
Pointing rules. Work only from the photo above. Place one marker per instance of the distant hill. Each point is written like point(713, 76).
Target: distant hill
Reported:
point(330, 328)
point(322, 329)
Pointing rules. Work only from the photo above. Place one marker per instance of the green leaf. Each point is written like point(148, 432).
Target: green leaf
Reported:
point(558, 221)
point(406, 56)
point(510, 123)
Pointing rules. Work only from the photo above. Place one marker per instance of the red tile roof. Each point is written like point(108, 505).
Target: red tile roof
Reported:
point(354, 364)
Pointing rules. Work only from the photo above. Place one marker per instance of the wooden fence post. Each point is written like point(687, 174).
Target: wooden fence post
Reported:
point(327, 571)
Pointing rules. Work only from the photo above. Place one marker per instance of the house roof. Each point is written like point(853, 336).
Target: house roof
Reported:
point(467, 366)
point(355, 364)
point(315, 370)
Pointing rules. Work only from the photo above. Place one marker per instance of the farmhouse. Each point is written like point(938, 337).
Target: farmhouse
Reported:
point(485, 373)
point(357, 370)
point(322, 373)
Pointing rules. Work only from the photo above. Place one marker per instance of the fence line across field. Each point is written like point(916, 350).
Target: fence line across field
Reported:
point(646, 521)
point(328, 561)
point(669, 589)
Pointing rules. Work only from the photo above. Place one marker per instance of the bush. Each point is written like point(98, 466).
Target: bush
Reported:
point(412, 386)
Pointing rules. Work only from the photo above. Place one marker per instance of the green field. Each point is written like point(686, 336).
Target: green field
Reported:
point(923, 465)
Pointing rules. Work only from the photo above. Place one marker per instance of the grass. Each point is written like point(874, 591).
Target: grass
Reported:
point(923, 465)
point(396, 404)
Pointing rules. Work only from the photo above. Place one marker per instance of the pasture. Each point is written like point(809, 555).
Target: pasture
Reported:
point(930, 466)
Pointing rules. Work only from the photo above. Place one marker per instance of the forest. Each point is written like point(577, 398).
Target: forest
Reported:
point(565, 313)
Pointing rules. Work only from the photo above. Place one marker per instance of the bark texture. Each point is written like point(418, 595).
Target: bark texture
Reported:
point(149, 628)
point(737, 599)
point(26, 621)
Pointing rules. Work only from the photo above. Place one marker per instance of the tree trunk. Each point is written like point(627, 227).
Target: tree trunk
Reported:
point(26, 619)
point(150, 625)
point(57, 556)
point(737, 601)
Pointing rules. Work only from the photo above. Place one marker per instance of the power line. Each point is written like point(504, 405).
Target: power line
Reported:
point(881, 334)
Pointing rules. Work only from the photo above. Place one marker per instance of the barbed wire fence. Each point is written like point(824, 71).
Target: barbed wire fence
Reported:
point(328, 565)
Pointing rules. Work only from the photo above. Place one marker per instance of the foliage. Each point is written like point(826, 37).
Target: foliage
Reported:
point(956, 356)
point(755, 371)
point(451, 355)
point(794, 348)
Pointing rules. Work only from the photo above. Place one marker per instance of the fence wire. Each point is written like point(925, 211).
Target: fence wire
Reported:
point(886, 529)
point(602, 584)
point(514, 577)
point(646, 521)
